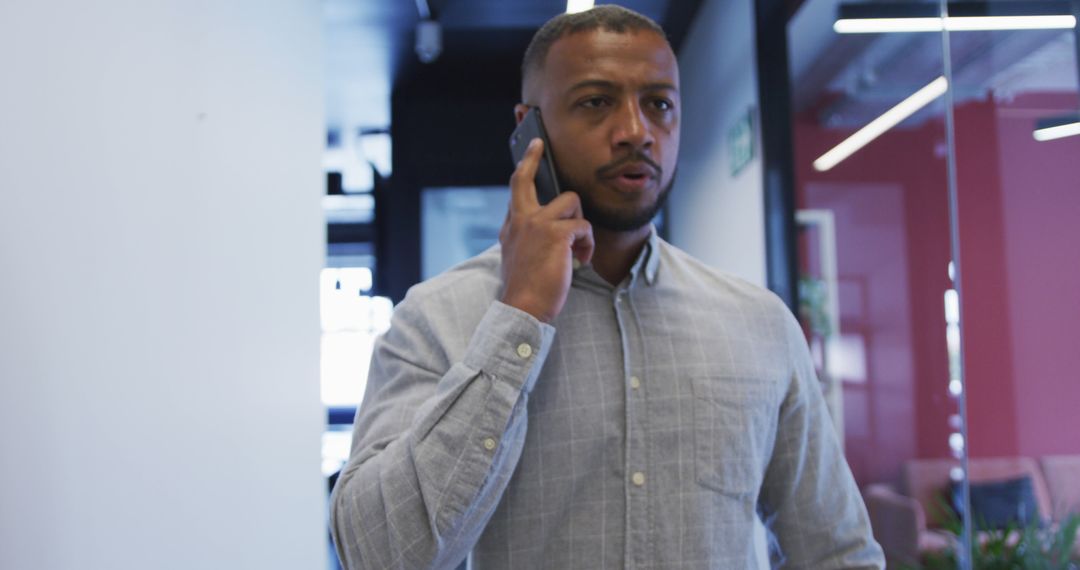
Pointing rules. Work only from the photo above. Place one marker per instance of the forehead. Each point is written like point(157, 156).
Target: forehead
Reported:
point(623, 58)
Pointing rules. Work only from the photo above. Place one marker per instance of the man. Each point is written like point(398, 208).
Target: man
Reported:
point(587, 395)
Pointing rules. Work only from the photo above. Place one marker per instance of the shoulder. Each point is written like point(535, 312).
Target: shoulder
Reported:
point(710, 284)
point(438, 316)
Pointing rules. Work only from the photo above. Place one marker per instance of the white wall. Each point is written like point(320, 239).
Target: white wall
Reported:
point(716, 217)
point(160, 242)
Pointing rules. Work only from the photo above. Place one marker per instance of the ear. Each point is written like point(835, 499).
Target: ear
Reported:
point(519, 112)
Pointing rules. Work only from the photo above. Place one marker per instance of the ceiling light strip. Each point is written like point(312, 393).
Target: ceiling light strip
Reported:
point(953, 24)
point(887, 25)
point(989, 23)
point(886, 121)
point(574, 6)
point(1058, 132)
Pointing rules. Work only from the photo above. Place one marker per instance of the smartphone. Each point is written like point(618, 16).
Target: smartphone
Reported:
point(531, 127)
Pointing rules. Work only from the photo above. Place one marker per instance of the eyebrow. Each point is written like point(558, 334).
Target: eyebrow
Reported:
point(604, 84)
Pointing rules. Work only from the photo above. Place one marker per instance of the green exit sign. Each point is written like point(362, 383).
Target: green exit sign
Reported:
point(740, 139)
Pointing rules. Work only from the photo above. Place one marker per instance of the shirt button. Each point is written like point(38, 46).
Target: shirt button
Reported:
point(638, 478)
point(524, 350)
point(635, 382)
point(489, 444)
point(576, 264)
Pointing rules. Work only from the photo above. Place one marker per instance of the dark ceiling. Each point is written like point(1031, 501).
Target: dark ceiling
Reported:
point(369, 44)
point(852, 79)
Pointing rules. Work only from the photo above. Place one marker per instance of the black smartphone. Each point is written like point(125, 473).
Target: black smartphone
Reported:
point(531, 127)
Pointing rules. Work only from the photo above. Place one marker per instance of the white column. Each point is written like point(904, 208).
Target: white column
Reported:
point(160, 242)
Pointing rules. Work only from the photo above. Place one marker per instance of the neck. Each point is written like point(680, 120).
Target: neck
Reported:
point(616, 252)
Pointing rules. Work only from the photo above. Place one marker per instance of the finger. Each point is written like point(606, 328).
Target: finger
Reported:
point(523, 182)
point(580, 232)
point(566, 205)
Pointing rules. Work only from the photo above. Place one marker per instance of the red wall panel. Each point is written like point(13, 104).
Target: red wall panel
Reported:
point(1019, 205)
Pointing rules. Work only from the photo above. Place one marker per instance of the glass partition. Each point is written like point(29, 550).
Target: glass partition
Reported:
point(877, 298)
point(1016, 116)
point(937, 149)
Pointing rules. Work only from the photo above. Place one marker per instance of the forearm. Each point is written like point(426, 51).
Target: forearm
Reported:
point(420, 497)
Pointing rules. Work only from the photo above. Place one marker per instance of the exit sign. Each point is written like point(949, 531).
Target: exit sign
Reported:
point(740, 139)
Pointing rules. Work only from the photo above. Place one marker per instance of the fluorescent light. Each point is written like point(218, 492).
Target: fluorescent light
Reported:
point(958, 16)
point(1010, 23)
point(887, 25)
point(886, 121)
point(574, 6)
point(1058, 132)
point(952, 24)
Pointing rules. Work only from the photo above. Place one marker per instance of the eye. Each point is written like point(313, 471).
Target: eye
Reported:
point(662, 105)
point(594, 102)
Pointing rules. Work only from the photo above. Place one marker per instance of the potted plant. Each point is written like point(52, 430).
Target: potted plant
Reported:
point(1013, 547)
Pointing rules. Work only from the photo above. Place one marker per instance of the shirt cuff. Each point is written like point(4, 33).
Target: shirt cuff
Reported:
point(510, 344)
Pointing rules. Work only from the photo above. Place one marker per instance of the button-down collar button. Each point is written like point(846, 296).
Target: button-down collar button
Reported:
point(489, 444)
point(638, 478)
point(524, 350)
point(635, 382)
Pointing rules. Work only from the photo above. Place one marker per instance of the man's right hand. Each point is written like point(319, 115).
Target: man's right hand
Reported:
point(539, 243)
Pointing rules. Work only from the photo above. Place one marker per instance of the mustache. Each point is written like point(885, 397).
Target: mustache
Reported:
point(608, 170)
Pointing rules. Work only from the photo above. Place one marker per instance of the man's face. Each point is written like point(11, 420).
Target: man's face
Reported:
point(610, 104)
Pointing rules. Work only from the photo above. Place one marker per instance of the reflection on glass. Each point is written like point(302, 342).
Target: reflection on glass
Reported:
point(869, 109)
point(949, 388)
point(883, 123)
point(1017, 206)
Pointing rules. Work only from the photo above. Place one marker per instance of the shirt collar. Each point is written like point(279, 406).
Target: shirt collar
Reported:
point(646, 265)
point(649, 260)
point(653, 263)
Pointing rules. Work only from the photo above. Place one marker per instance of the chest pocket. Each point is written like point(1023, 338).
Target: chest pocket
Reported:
point(734, 431)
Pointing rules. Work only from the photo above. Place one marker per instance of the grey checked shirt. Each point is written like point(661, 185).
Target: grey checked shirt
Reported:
point(648, 427)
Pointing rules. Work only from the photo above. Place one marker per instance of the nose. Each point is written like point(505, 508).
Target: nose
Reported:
point(631, 128)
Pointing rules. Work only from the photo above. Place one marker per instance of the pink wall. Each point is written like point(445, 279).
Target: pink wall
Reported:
point(1041, 183)
point(892, 238)
point(1019, 201)
point(988, 371)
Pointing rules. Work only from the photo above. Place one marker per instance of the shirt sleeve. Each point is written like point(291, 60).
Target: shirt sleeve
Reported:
point(434, 448)
point(809, 499)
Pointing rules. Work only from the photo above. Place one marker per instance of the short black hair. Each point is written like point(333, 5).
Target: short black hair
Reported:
point(607, 17)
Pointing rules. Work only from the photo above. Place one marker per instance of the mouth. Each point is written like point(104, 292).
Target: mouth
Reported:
point(630, 183)
point(633, 177)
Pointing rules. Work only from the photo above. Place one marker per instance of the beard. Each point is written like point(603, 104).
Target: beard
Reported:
point(626, 219)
